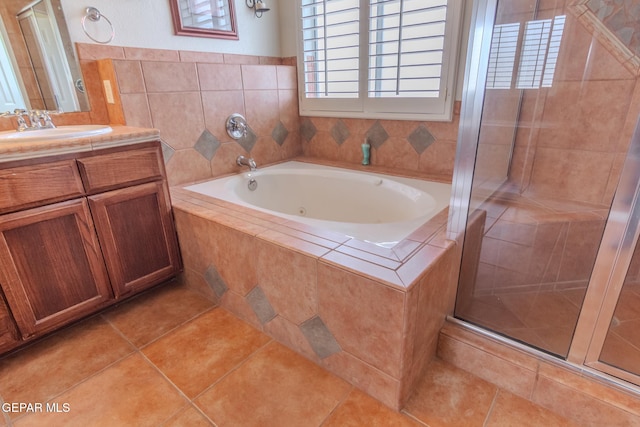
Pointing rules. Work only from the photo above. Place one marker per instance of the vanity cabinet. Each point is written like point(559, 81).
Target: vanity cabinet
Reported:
point(8, 332)
point(79, 233)
point(136, 231)
point(133, 219)
point(52, 269)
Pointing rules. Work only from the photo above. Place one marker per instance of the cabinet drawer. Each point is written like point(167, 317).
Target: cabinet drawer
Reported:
point(110, 171)
point(30, 186)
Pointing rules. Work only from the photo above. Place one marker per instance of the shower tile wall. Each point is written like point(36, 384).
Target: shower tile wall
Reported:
point(586, 117)
point(543, 228)
point(188, 95)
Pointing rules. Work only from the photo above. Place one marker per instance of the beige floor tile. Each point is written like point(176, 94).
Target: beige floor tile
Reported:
point(130, 393)
point(361, 410)
point(189, 417)
point(448, 396)
point(200, 352)
point(275, 387)
point(151, 315)
point(510, 410)
point(49, 367)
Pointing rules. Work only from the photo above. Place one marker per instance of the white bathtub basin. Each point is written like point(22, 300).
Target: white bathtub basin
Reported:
point(377, 208)
point(60, 132)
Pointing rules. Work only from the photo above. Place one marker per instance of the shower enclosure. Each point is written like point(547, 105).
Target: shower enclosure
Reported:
point(547, 176)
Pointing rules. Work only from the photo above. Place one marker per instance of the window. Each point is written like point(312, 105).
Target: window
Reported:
point(378, 58)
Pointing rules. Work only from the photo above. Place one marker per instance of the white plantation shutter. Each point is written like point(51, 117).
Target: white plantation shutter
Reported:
point(331, 34)
point(378, 58)
point(406, 43)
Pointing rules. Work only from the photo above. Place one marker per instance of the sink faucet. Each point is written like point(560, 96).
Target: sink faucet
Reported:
point(244, 161)
point(38, 119)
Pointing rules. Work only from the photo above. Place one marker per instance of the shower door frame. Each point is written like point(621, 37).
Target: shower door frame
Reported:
point(621, 232)
point(609, 272)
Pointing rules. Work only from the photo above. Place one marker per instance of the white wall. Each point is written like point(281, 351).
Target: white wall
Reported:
point(148, 24)
point(288, 34)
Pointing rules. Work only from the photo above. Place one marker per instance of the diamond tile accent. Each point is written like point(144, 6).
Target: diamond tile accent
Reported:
point(248, 141)
point(376, 135)
point(279, 133)
point(320, 337)
point(308, 129)
point(420, 139)
point(340, 132)
point(213, 278)
point(207, 145)
point(167, 151)
point(260, 305)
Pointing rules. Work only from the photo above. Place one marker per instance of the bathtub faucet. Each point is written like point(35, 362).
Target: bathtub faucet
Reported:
point(244, 161)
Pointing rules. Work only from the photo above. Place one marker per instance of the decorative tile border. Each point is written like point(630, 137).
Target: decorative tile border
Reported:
point(607, 21)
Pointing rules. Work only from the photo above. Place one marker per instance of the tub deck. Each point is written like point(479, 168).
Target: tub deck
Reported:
point(369, 314)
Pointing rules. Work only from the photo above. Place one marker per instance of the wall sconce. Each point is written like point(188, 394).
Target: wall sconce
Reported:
point(259, 7)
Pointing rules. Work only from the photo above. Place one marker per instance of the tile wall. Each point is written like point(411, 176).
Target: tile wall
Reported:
point(586, 118)
point(543, 230)
point(531, 264)
point(427, 147)
point(188, 96)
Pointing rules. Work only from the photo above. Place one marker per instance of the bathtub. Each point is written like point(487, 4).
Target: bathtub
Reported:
point(376, 208)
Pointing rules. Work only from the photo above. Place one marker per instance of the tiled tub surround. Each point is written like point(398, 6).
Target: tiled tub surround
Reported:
point(189, 95)
point(368, 314)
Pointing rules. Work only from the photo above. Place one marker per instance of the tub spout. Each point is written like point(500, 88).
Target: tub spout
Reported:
point(244, 161)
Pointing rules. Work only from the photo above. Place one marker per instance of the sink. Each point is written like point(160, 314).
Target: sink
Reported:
point(60, 132)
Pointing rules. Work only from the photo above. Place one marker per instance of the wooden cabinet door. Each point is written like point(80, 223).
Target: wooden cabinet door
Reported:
point(8, 332)
point(137, 236)
point(51, 267)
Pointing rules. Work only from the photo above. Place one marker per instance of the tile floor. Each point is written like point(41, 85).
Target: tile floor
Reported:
point(169, 358)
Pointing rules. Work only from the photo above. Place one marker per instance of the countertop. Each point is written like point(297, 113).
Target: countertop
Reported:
point(120, 135)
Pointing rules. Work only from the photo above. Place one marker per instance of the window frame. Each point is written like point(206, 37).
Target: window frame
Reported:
point(403, 108)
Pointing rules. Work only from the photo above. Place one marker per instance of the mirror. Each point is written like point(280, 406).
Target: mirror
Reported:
point(214, 19)
point(38, 65)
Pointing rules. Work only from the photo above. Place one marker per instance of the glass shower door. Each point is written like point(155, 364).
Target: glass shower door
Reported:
point(613, 331)
point(559, 102)
point(621, 348)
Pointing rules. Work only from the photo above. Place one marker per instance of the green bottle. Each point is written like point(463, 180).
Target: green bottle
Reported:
point(366, 152)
